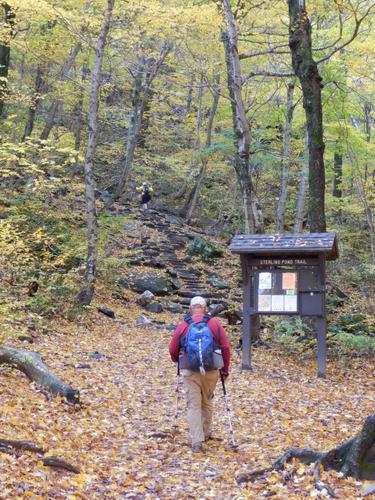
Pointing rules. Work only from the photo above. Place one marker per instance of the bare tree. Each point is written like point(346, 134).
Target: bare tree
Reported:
point(39, 83)
point(87, 291)
point(193, 196)
point(147, 69)
point(242, 134)
point(301, 200)
point(57, 103)
point(285, 158)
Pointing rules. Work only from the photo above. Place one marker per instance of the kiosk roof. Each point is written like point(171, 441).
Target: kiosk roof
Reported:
point(286, 244)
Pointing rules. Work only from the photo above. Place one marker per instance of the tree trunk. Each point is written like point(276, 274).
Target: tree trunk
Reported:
point(9, 23)
point(196, 149)
point(307, 71)
point(368, 123)
point(189, 99)
point(253, 216)
point(145, 120)
point(86, 293)
point(355, 458)
point(31, 364)
point(285, 160)
point(56, 104)
point(79, 118)
point(337, 173)
point(304, 174)
point(204, 162)
point(34, 104)
point(133, 128)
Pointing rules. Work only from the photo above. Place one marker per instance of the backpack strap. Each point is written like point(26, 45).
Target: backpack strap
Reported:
point(207, 318)
point(182, 338)
point(188, 319)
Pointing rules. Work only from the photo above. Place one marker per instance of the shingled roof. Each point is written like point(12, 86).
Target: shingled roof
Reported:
point(286, 244)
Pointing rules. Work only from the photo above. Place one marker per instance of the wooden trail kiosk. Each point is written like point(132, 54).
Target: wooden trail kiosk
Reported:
point(284, 274)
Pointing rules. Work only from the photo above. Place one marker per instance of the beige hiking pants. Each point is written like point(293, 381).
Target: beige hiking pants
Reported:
point(199, 391)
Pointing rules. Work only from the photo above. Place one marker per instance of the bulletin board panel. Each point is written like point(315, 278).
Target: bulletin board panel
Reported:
point(276, 292)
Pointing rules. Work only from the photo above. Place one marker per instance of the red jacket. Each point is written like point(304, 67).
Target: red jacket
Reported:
point(218, 332)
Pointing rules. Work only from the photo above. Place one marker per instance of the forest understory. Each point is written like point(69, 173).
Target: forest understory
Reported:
point(127, 388)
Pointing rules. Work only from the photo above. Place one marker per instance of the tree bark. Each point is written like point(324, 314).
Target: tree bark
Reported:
point(253, 217)
point(189, 99)
point(285, 160)
point(79, 118)
point(307, 71)
point(337, 173)
point(355, 458)
point(301, 201)
point(9, 23)
point(87, 291)
point(204, 162)
point(31, 364)
point(196, 147)
point(34, 104)
point(368, 128)
point(56, 104)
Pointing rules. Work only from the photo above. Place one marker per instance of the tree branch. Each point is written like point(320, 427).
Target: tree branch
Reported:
point(268, 73)
point(358, 23)
point(265, 52)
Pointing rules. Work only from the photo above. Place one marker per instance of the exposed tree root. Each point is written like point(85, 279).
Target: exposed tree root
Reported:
point(60, 463)
point(31, 364)
point(355, 458)
point(12, 447)
point(21, 445)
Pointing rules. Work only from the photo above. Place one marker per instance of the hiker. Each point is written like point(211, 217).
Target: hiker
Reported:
point(199, 382)
point(145, 196)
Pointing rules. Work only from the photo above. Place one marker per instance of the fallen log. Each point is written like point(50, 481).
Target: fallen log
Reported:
point(31, 364)
point(355, 458)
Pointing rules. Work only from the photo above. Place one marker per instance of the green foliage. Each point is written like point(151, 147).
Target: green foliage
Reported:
point(354, 322)
point(292, 327)
point(362, 274)
point(353, 345)
point(204, 249)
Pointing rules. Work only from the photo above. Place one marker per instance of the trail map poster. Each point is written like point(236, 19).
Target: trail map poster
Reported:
point(277, 292)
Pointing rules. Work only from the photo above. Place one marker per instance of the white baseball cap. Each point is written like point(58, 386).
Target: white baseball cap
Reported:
point(198, 301)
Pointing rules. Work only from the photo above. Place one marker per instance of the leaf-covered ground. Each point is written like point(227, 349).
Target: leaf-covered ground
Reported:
point(129, 394)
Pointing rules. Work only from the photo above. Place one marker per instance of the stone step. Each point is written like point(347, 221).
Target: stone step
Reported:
point(186, 301)
point(198, 291)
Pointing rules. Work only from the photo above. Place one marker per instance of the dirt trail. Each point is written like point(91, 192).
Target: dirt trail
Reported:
point(129, 393)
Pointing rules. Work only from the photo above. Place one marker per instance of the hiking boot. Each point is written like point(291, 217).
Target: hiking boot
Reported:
point(197, 447)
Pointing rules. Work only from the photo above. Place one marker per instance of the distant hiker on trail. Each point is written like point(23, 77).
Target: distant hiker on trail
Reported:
point(145, 196)
point(195, 346)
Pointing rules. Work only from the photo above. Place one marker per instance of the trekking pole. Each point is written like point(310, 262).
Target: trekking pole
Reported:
point(175, 425)
point(231, 431)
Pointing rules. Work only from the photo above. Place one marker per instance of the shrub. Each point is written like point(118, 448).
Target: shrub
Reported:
point(204, 249)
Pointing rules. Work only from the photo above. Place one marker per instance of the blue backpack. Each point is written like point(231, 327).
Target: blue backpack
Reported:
point(198, 346)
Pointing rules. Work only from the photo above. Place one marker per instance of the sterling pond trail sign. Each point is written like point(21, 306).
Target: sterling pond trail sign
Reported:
point(284, 274)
